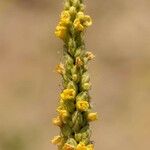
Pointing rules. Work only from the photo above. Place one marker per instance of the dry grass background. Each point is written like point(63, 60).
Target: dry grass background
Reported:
point(29, 52)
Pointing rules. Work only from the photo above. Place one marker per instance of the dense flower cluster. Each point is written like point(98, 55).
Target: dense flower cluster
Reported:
point(74, 109)
point(72, 18)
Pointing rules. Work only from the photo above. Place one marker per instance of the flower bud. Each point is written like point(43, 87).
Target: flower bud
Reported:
point(82, 7)
point(78, 137)
point(86, 86)
point(75, 77)
point(74, 69)
point(60, 69)
point(67, 5)
point(61, 107)
point(69, 106)
point(77, 120)
point(60, 145)
point(72, 46)
point(82, 105)
point(84, 135)
point(92, 116)
point(74, 73)
point(84, 129)
point(85, 66)
point(82, 95)
point(76, 3)
point(86, 141)
point(64, 115)
point(66, 130)
point(56, 140)
point(87, 21)
point(68, 62)
point(78, 52)
point(70, 123)
point(72, 10)
point(80, 15)
point(65, 18)
point(72, 85)
point(57, 121)
point(89, 55)
point(79, 62)
point(72, 142)
point(85, 77)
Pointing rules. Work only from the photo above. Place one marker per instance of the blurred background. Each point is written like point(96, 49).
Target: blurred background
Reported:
point(120, 74)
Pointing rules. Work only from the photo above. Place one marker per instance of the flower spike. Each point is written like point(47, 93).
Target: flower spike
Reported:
point(74, 109)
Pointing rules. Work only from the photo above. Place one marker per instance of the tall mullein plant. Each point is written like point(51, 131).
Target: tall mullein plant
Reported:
point(74, 109)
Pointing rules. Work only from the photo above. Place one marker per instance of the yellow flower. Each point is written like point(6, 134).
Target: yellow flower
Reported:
point(82, 105)
point(90, 147)
point(61, 31)
point(56, 140)
point(68, 147)
point(92, 116)
point(59, 108)
point(63, 114)
point(65, 15)
point(81, 146)
point(77, 25)
point(79, 62)
point(82, 21)
point(65, 18)
point(60, 68)
point(80, 15)
point(57, 121)
point(87, 21)
point(68, 94)
point(89, 55)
